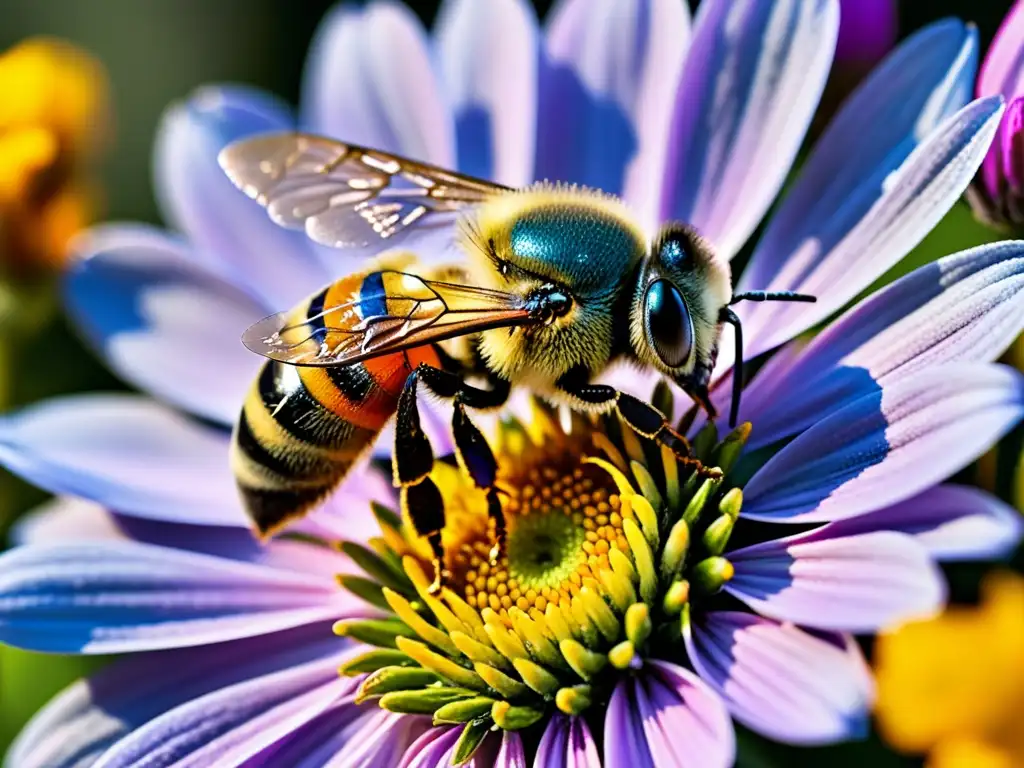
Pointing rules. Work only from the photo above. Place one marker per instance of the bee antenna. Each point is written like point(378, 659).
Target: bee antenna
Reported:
point(772, 296)
point(728, 316)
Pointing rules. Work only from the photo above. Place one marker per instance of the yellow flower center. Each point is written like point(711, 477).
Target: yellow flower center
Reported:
point(609, 539)
point(562, 517)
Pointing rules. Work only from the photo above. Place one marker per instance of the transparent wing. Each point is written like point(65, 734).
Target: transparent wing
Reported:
point(344, 195)
point(409, 312)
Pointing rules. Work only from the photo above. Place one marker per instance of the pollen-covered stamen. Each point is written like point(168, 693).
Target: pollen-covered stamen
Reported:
point(610, 541)
point(562, 523)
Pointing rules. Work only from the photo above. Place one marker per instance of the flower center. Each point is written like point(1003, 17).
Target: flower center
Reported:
point(611, 539)
point(562, 518)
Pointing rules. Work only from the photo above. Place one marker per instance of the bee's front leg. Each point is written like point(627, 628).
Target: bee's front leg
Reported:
point(641, 417)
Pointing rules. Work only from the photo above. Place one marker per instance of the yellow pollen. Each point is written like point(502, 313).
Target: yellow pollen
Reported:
point(561, 517)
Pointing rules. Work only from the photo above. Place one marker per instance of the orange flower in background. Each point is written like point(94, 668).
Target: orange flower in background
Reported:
point(53, 119)
point(953, 686)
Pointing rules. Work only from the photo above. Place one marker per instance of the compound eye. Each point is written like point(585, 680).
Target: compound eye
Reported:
point(667, 322)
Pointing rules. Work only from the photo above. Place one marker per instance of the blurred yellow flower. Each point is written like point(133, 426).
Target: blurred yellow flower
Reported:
point(953, 686)
point(53, 119)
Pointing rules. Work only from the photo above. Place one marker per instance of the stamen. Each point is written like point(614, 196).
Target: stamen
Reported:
point(605, 554)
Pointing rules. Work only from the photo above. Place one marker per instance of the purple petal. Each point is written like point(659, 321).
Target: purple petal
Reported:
point(162, 321)
point(432, 749)
point(887, 446)
point(606, 91)
point(369, 80)
point(667, 717)
point(566, 743)
point(65, 518)
point(749, 88)
point(436, 749)
point(952, 522)
point(240, 544)
point(867, 30)
point(1002, 72)
point(379, 743)
point(890, 165)
point(228, 725)
point(127, 453)
point(346, 513)
point(315, 743)
point(80, 723)
point(115, 597)
point(69, 519)
point(964, 308)
point(511, 754)
point(781, 681)
point(488, 61)
point(435, 418)
point(849, 584)
point(223, 224)
point(625, 743)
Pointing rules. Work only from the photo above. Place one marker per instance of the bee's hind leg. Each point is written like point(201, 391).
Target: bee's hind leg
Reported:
point(473, 452)
point(642, 418)
point(411, 464)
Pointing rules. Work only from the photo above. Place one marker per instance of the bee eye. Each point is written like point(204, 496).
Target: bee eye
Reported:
point(667, 322)
point(673, 255)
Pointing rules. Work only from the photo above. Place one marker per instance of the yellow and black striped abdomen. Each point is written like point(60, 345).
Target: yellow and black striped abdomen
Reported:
point(302, 428)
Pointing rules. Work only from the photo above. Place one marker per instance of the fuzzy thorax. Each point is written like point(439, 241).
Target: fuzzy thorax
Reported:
point(579, 239)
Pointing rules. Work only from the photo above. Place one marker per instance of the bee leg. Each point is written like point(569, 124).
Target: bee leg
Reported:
point(425, 508)
point(642, 418)
point(473, 452)
point(411, 464)
point(477, 458)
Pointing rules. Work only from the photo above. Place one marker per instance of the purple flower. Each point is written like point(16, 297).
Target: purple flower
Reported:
point(715, 607)
point(867, 31)
point(996, 194)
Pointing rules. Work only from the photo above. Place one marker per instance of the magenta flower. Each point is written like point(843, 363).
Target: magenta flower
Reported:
point(640, 611)
point(997, 194)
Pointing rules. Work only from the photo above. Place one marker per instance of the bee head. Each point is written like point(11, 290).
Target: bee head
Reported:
point(675, 313)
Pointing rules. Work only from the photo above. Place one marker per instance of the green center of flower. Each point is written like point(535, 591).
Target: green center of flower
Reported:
point(610, 540)
point(543, 552)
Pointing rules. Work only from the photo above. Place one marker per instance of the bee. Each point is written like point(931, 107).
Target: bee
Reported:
point(552, 284)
